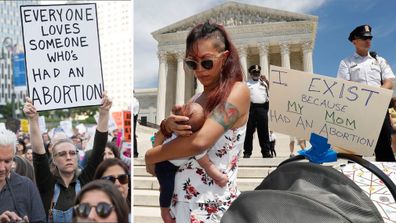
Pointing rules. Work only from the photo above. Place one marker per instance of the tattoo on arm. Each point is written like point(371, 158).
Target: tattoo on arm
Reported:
point(226, 115)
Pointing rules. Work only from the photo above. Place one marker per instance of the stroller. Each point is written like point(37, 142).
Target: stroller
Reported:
point(309, 192)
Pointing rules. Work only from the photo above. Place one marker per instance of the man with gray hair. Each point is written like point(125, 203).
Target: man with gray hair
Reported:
point(19, 197)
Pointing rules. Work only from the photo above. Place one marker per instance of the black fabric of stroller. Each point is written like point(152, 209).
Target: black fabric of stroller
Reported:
point(303, 192)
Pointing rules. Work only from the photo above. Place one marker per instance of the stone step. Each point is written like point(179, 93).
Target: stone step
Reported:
point(147, 198)
point(243, 172)
point(151, 183)
point(146, 215)
point(243, 162)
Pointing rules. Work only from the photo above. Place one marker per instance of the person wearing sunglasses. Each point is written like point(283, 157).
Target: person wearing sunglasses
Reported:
point(258, 113)
point(100, 201)
point(115, 171)
point(166, 171)
point(368, 68)
point(59, 188)
point(213, 59)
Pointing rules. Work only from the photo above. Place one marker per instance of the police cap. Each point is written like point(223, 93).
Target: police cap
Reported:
point(360, 32)
point(254, 68)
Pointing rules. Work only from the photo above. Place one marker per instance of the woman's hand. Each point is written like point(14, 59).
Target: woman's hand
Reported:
point(29, 109)
point(173, 123)
point(106, 103)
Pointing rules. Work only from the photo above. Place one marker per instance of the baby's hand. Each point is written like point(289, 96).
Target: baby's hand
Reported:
point(222, 181)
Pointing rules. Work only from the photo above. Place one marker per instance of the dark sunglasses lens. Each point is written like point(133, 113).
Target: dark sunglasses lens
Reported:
point(103, 210)
point(191, 64)
point(111, 178)
point(83, 210)
point(123, 179)
point(207, 64)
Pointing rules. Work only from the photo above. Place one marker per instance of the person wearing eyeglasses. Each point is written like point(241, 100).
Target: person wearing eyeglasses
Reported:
point(59, 188)
point(115, 171)
point(100, 201)
point(368, 68)
point(18, 194)
point(214, 61)
point(258, 113)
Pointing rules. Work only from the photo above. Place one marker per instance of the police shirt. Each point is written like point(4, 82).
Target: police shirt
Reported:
point(258, 91)
point(365, 70)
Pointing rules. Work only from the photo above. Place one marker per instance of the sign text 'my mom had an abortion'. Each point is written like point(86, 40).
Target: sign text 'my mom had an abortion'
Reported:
point(63, 65)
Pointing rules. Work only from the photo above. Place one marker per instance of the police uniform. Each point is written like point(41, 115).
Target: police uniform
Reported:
point(258, 116)
point(370, 70)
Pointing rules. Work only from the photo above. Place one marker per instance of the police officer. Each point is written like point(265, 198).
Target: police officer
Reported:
point(258, 114)
point(367, 68)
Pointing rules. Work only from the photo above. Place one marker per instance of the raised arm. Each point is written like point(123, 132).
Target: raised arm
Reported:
point(234, 115)
point(99, 141)
point(35, 134)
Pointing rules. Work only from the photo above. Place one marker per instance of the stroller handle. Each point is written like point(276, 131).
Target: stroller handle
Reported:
point(359, 160)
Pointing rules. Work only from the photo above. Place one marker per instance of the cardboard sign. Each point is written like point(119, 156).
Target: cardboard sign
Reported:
point(117, 117)
point(348, 114)
point(24, 125)
point(63, 65)
point(127, 125)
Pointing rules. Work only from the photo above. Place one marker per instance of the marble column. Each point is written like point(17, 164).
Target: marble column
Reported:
point(285, 55)
point(161, 95)
point(242, 51)
point(263, 48)
point(180, 79)
point(307, 57)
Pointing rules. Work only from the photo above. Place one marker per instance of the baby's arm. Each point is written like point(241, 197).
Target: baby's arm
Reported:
point(219, 178)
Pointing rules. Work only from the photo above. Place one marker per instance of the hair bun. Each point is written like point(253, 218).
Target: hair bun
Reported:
point(208, 27)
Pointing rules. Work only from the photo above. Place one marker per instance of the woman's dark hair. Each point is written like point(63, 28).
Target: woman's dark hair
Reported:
point(232, 69)
point(120, 206)
point(114, 148)
point(24, 168)
point(105, 164)
point(20, 141)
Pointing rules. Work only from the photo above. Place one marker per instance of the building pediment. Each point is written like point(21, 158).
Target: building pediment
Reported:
point(232, 14)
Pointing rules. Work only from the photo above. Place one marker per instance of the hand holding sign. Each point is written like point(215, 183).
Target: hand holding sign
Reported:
point(29, 109)
point(104, 114)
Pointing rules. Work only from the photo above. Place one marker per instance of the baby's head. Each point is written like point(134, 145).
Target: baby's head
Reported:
point(195, 113)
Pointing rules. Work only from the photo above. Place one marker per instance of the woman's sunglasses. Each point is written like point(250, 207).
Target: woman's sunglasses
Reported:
point(206, 63)
point(102, 209)
point(122, 178)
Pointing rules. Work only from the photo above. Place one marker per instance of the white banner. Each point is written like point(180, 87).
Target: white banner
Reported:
point(67, 127)
point(63, 65)
point(348, 114)
point(43, 127)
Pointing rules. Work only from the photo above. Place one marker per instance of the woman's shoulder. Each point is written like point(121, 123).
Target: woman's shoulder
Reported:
point(240, 88)
point(240, 91)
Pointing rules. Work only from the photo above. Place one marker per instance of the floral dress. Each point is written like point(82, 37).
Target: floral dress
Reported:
point(196, 197)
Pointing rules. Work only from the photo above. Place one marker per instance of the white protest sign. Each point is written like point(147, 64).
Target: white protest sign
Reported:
point(81, 128)
point(42, 125)
point(348, 114)
point(111, 125)
point(63, 65)
point(67, 127)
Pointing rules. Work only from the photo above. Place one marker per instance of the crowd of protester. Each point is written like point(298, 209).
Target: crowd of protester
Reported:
point(76, 181)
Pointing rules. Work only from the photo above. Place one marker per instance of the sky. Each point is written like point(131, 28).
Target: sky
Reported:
point(337, 18)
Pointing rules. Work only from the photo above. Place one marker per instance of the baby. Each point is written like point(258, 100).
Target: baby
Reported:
point(166, 170)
